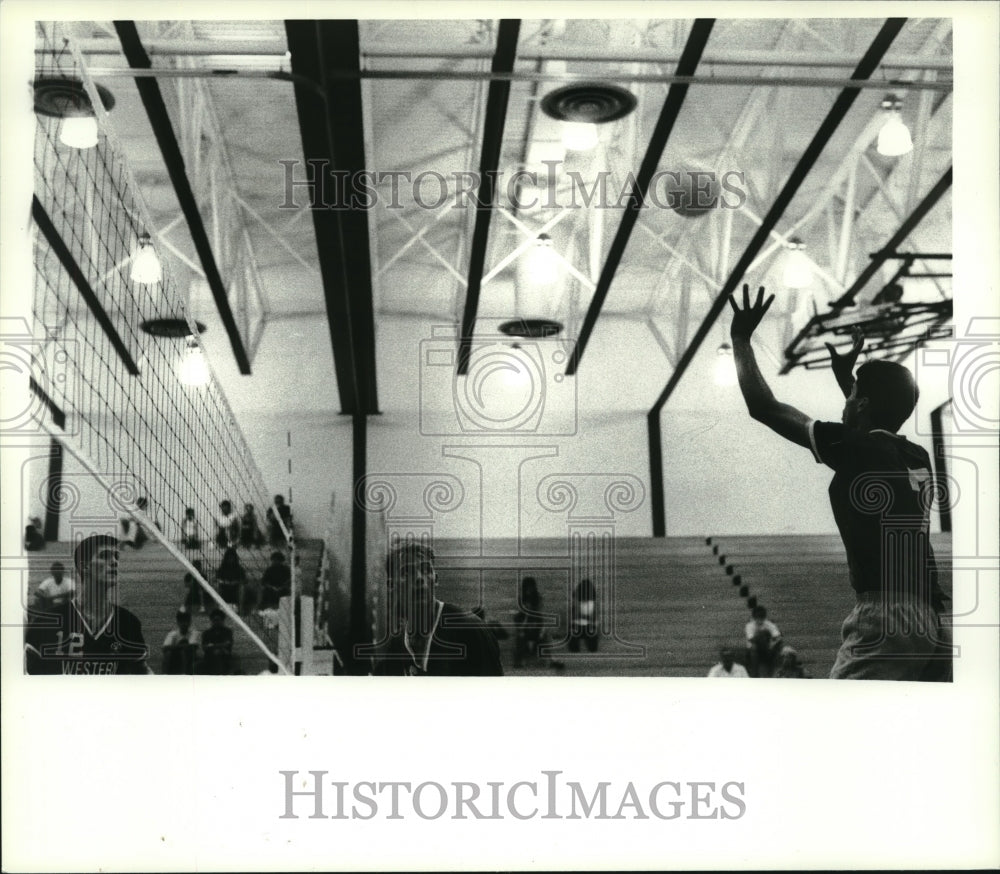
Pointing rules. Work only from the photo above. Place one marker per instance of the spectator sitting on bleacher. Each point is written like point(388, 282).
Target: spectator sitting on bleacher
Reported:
point(34, 539)
point(133, 533)
point(279, 509)
point(231, 578)
point(250, 533)
point(583, 617)
point(789, 666)
point(55, 590)
point(763, 643)
point(276, 582)
point(194, 594)
point(728, 668)
point(180, 646)
point(190, 534)
point(227, 525)
point(529, 632)
point(217, 644)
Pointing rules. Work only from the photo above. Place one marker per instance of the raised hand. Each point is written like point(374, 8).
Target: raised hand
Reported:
point(745, 320)
point(843, 365)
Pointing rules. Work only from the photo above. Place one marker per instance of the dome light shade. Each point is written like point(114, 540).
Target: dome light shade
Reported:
point(146, 268)
point(579, 136)
point(798, 271)
point(79, 132)
point(894, 138)
point(542, 261)
point(194, 369)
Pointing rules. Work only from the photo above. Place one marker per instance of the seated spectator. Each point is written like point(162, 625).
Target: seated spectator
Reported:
point(728, 667)
point(789, 666)
point(278, 510)
point(133, 533)
point(276, 582)
point(231, 578)
point(194, 594)
point(530, 632)
point(180, 646)
point(227, 526)
point(217, 644)
point(250, 533)
point(34, 539)
point(763, 643)
point(190, 533)
point(55, 590)
point(583, 617)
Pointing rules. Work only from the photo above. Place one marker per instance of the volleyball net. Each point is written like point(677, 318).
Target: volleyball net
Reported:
point(119, 378)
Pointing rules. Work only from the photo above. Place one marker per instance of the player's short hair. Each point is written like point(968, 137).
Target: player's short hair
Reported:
point(89, 547)
point(891, 391)
point(408, 554)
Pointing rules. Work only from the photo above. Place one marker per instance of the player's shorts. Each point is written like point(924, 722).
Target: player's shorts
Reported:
point(904, 640)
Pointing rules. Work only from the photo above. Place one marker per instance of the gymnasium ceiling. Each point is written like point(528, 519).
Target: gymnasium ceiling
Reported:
point(423, 104)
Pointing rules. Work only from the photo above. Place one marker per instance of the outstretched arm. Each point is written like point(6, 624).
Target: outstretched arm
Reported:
point(843, 365)
point(790, 423)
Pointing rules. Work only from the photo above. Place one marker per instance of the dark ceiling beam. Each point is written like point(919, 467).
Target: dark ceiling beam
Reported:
point(489, 162)
point(868, 64)
point(686, 66)
point(332, 127)
point(159, 118)
point(58, 245)
point(888, 251)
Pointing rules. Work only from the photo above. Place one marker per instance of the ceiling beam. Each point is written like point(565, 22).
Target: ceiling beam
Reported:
point(159, 119)
point(868, 64)
point(331, 123)
point(489, 162)
point(696, 42)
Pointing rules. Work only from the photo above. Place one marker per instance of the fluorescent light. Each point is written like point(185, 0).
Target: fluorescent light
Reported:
point(146, 268)
point(78, 132)
point(578, 136)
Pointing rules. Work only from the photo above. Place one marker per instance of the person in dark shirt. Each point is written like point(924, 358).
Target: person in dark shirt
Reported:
point(217, 645)
point(180, 648)
point(90, 634)
point(279, 510)
point(275, 583)
point(231, 578)
point(427, 636)
point(880, 495)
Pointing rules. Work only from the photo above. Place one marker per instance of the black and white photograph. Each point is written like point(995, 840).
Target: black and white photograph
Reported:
point(423, 407)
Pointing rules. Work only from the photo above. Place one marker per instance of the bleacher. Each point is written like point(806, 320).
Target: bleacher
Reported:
point(803, 582)
point(673, 606)
point(151, 585)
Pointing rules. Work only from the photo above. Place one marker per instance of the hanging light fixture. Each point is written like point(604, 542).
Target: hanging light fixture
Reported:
point(146, 268)
point(579, 136)
point(194, 369)
point(725, 366)
point(894, 138)
point(582, 107)
point(67, 98)
point(798, 271)
point(542, 261)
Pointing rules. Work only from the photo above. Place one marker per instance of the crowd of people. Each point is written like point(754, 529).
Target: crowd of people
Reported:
point(765, 655)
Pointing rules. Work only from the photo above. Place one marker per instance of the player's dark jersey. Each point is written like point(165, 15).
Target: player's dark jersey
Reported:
point(462, 646)
point(58, 641)
point(881, 496)
point(217, 644)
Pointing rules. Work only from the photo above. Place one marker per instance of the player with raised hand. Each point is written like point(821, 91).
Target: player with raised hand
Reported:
point(880, 496)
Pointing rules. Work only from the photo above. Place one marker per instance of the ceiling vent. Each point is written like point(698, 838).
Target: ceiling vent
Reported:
point(531, 328)
point(588, 102)
point(172, 328)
